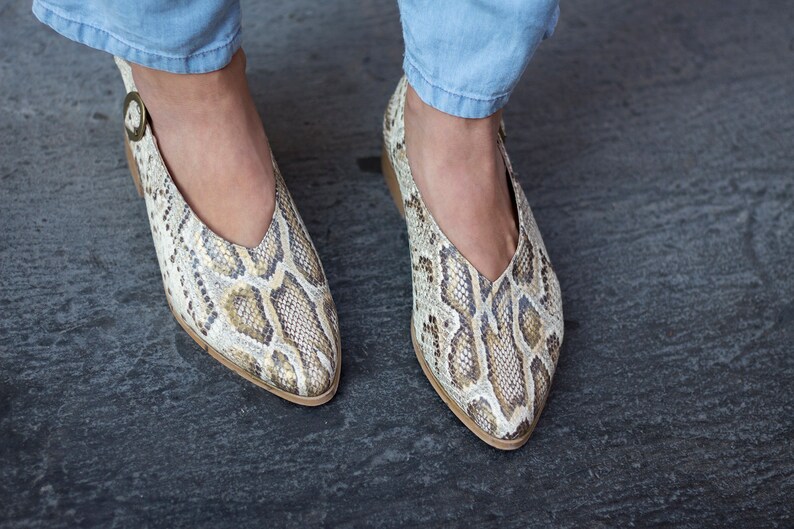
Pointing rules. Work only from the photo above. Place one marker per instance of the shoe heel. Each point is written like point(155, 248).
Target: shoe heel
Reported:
point(136, 177)
point(391, 181)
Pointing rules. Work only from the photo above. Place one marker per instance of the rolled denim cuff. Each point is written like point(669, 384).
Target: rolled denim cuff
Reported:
point(84, 32)
point(460, 105)
point(465, 58)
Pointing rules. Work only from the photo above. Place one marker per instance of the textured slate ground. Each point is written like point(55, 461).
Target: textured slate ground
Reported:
point(656, 144)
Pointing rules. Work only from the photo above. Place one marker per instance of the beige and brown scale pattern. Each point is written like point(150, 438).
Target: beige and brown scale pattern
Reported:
point(267, 311)
point(491, 346)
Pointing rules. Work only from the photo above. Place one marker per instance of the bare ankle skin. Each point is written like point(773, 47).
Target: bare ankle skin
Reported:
point(461, 175)
point(214, 144)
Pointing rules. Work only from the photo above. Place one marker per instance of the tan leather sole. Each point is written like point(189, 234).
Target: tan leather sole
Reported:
point(503, 444)
point(297, 399)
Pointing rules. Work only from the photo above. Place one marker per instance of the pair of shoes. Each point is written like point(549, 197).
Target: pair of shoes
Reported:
point(488, 348)
point(265, 312)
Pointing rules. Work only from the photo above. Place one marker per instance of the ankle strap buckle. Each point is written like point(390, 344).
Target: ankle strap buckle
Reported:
point(134, 116)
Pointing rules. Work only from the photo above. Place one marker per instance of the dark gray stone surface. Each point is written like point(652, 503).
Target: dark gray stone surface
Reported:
point(656, 143)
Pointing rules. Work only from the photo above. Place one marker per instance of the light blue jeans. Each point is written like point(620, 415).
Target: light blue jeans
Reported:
point(463, 57)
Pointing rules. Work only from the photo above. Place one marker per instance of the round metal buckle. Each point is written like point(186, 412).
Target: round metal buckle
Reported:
point(140, 130)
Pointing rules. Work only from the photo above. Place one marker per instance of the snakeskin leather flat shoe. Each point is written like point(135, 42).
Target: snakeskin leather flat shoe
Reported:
point(266, 312)
point(489, 348)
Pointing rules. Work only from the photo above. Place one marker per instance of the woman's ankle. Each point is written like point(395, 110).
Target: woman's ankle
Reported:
point(161, 88)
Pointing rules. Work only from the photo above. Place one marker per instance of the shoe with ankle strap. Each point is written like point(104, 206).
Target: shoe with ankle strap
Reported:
point(266, 312)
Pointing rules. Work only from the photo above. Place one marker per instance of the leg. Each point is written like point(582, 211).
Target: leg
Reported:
point(214, 144)
point(462, 61)
point(191, 75)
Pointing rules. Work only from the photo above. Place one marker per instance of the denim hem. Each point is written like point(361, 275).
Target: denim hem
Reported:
point(460, 105)
point(94, 37)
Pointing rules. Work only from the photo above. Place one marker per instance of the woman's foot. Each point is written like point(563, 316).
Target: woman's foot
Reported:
point(461, 175)
point(213, 141)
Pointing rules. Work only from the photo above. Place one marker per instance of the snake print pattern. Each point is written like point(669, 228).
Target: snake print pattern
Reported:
point(268, 310)
point(492, 346)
